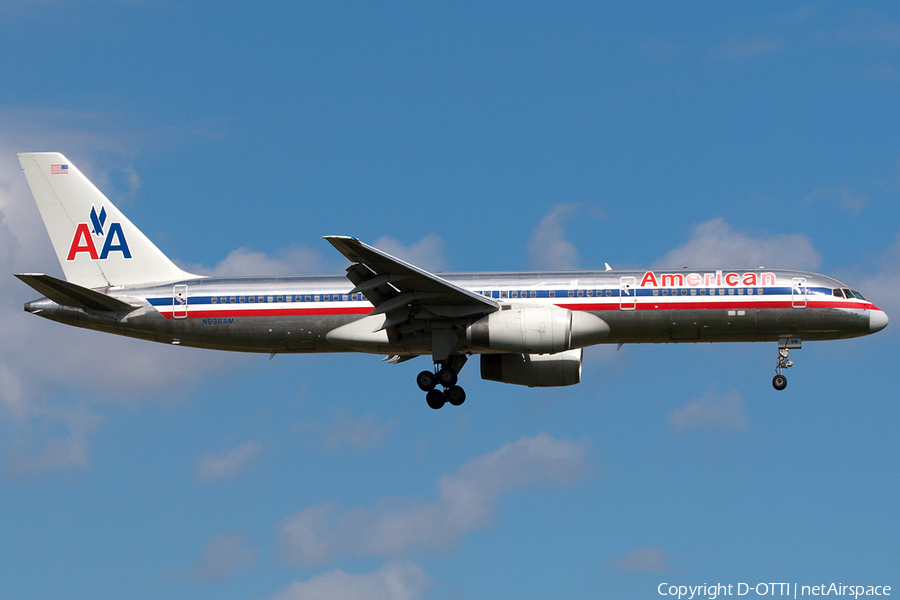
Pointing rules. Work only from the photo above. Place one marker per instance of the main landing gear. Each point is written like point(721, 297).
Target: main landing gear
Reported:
point(444, 374)
point(779, 382)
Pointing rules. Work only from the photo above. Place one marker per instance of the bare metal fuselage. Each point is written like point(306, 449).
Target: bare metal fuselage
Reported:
point(295, 314)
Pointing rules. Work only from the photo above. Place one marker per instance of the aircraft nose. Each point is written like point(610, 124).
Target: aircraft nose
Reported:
point(878, 320)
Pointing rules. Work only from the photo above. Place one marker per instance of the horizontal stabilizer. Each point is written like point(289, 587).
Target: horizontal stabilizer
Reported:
point(70, 294)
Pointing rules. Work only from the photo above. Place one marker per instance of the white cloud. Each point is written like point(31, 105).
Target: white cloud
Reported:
point(749, 48)
point(40, 359)
point(662, 50)
point(548, 247)
point(852, 202)
point(291, 260)
point(393, 581)
point(37, 454)
point(222, 557)
point(711, 412)
point(880, 73)
point(883, 288)
point(365, 433)
point(647, 559)
point(466, 502)
point(228, 463)
point(714, 244)
point(429, 253)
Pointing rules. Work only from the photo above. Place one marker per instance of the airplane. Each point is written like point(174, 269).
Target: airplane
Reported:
point(529, 328)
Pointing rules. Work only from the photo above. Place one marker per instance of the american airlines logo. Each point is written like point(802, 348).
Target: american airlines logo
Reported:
point(113, 238)
point(717, 279)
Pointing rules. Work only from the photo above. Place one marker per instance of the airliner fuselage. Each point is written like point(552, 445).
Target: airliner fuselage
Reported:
point(296, 314)
point(529, 328)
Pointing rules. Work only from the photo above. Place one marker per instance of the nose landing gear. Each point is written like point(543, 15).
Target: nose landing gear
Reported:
point(779, 382)
point(445, 374)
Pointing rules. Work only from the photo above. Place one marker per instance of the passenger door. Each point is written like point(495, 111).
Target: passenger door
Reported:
point(798, 292)
point(179, 302)
point(627, 293)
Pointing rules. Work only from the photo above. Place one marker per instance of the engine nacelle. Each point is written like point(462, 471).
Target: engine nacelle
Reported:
point(537, 330)
point(533, 370)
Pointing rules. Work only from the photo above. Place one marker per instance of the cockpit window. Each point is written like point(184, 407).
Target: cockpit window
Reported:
point(848, 294)
point(857, 294)
point(837, 293)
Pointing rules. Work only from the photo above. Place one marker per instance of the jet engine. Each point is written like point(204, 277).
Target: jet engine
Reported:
point(536, 330)
point(533, 370)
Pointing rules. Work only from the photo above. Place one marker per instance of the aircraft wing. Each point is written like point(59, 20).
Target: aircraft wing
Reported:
point(401, 290)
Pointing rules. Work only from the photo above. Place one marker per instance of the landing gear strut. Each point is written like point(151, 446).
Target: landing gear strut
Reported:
point(779, 382)
point(445, 374)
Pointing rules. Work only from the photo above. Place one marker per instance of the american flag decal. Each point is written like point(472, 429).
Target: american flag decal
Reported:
point(59, 169)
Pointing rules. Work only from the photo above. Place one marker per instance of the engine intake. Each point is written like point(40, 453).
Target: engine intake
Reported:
point(533, 370)
point(537, 330)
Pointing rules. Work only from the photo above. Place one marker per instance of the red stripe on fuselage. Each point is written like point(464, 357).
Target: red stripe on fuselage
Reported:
point(643, 304)
point(713, 305)
point(199, 313)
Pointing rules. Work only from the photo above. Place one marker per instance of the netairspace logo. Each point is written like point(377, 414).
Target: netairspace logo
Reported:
point(83, 240)
point(771, 589)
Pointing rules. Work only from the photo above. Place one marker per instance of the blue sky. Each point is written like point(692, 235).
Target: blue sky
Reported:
point(463, 137)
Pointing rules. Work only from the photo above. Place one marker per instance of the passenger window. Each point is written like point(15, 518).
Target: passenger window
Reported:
point(281, 298)
point(552, 293)
point(233, 299)
point(580, 293)
point(252, 298)
point(609, 293)
point(589, 293)
point(684, 292)
point(759, 291)
point(271, 299)
point(665, 292)
point(749, 291)
point(315, 297)
point(571, 293)
point(656, 292)
point(534, 293)
point(503, 294)
point(241, 299)
point(731, 291)
point(740, 291)
point(693, 292)
point(214, 299)
point(702, 292)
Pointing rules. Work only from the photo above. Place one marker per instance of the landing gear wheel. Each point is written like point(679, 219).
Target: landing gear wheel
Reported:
point(447, 377)
point(426, 381)
point(435, 399)
point(779, 382)
point(455, 395)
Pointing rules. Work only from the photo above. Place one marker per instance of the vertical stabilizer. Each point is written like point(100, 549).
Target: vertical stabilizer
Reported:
point(96, 244)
